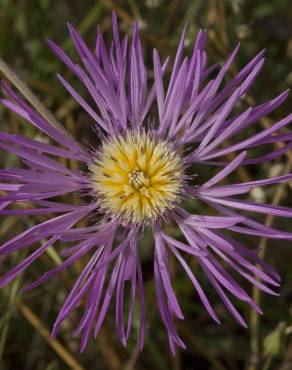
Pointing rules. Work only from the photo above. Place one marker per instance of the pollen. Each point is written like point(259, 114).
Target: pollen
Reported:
point(137, 178)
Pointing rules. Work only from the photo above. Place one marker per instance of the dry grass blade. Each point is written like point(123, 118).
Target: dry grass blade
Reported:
point(30, 96)
point(201, 349)
point(44, 332)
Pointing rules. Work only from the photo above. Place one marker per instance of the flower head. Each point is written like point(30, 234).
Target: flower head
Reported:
point(150, 135)
point(137, 178)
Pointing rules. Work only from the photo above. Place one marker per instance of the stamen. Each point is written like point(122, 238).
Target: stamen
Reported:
point(138, 179)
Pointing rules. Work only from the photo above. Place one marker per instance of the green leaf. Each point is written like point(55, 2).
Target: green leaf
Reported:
point(273, 341)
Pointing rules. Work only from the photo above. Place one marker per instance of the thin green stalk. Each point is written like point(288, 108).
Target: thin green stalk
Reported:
point(256, 293)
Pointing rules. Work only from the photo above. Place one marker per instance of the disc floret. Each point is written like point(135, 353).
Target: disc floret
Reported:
point(137, 177)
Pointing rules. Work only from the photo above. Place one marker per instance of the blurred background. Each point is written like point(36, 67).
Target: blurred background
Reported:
point(25, 320)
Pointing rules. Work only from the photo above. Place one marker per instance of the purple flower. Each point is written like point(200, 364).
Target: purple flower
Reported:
point(138, 176)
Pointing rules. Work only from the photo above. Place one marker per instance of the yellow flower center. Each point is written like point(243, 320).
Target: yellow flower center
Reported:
point(137, 178)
